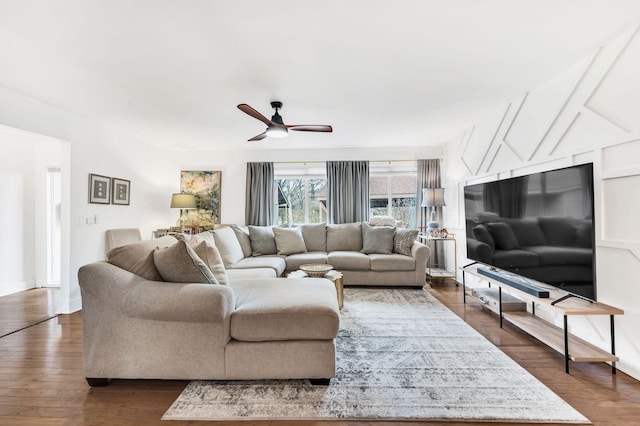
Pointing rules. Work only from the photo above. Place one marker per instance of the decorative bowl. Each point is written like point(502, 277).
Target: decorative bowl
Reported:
point(316, 269)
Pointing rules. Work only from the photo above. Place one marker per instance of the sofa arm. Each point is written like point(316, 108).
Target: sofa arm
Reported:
point(420, 253)
point(480, 251)
point(161, 301)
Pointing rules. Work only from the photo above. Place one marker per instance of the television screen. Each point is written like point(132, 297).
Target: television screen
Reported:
point(538, 226)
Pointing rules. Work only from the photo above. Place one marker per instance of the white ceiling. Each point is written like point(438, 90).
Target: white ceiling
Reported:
point(383, 73)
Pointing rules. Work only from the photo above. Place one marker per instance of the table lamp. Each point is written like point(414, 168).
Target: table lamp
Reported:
point(183, 202)
point(433, 197)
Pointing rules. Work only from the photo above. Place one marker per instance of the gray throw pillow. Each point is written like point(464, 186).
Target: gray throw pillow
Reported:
point(377, 239)
point(180, 264)
point(137, 258)
point(263, 241)
point(503, 236)
point(210, 255)
point(289, 241)
point(403, 240)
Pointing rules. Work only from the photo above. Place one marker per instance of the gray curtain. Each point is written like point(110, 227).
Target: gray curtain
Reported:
point(428, 177)
point(260, 201)
point(347, 191)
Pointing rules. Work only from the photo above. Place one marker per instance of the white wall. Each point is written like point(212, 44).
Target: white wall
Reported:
point(233, 167)
point(590, 113)
point(85, 148)
point(17, 246)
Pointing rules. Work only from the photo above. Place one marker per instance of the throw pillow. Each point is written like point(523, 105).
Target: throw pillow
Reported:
point(382, 221)
point(344, 237)
point(377, 239)
point(137, 258)
point(481, 234)
point(180, 264)
point(403, 240)
point(242, 233)
point(210, 255)
point(229, 246)
point(263, 241)
point(289, 241)
point(503, 236)
point(315, 236)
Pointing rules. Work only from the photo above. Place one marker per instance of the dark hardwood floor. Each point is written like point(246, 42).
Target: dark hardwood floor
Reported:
point(42, 382)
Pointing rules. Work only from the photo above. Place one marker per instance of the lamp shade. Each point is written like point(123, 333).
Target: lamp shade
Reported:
point(183, 201)
point(433, 197)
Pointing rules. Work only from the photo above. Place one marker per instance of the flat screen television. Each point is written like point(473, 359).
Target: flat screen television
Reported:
point(539, 226)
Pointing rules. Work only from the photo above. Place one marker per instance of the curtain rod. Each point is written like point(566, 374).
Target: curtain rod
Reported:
point(371, 161)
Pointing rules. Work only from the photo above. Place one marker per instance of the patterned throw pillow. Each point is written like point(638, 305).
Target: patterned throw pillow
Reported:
point(403, 240)
point(180, 264)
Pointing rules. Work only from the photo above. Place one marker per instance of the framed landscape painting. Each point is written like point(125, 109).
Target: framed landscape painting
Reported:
point(205, 185)
point(99, 189)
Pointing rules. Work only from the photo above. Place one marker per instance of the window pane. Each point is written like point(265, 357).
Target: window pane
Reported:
point(295, 193)
point(403, 204)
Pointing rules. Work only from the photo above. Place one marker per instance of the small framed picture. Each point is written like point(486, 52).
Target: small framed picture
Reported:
point(121, 191)
point(99, 189)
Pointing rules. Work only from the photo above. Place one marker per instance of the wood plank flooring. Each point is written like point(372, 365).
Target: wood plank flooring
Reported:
point(42, 382)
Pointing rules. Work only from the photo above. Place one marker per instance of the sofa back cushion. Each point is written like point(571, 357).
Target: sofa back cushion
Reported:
point(315, 236)
point(137, 258)
point(527, 232)
point(242, 234)
point(179, 263)
point(263, 241)
point(559, 231)
point(344, 237)
point(228, 245)
point(377, 239)
point(289, 241)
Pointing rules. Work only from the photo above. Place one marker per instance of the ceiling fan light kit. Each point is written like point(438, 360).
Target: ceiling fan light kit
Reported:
point(276, 127)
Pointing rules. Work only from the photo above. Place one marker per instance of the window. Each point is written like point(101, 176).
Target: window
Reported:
point(392, 191)
point(301, 192)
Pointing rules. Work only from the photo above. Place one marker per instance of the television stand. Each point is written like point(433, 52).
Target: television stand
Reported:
point(569, 295)
point(571, 347)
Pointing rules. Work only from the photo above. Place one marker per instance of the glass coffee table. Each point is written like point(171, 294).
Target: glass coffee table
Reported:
point(334, 276)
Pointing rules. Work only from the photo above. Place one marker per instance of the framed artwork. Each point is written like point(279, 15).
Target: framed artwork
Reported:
point(99, 189)
point(206, 186)
point(121, 191)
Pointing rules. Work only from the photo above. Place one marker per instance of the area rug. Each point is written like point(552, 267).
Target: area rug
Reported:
point(401, 354)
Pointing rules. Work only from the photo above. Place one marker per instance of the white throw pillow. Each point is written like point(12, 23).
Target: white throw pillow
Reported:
point(228, 245)
point(382, 221)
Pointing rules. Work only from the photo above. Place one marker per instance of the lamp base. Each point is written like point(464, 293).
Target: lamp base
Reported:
point(433, 225)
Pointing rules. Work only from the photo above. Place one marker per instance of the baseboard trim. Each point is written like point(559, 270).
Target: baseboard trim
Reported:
point(8, 288)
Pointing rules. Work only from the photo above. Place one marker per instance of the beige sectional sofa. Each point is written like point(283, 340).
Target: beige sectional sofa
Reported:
point(366, 255)
point(249, 325)
point(216, 307)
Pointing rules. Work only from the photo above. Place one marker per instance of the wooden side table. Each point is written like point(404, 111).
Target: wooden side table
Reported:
point(334, 276)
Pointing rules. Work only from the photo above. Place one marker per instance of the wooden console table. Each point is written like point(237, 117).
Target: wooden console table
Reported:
point(572, 347)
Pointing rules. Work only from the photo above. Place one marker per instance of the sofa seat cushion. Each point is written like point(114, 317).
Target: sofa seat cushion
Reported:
point(509, 259)
point(274, 262)
point(252, 273)
point(392, 262)
point(295, 260)
point(349, 260)
point(285, 309)
point(550, 255)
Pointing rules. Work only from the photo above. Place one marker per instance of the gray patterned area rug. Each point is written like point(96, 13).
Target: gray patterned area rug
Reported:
point(401, 354)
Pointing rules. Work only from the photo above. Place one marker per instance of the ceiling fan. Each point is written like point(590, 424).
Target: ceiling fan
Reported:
point(276, 127)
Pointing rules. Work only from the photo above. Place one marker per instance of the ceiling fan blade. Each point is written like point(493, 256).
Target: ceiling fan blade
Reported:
point(310, 128)
point(258, 138)
point(253, 113)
